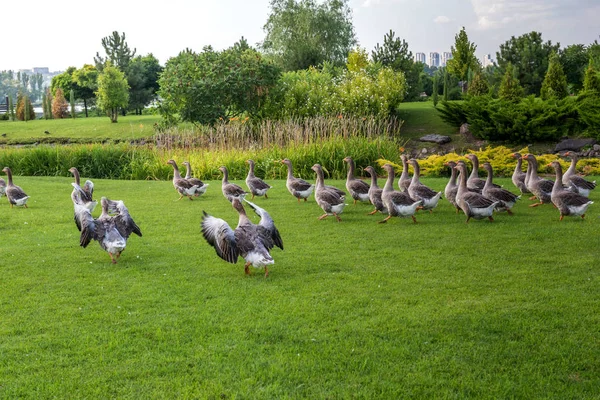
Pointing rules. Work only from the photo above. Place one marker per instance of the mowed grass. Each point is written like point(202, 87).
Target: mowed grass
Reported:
point(438, 309)
point(129, 127)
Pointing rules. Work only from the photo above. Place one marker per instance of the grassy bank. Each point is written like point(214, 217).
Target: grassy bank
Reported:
point(439, 309)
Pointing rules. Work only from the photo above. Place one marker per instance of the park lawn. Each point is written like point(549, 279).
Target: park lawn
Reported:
point(91, 129)
point(355, 309)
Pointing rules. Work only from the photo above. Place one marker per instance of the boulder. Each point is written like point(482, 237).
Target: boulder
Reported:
point(573, 144)
point(434, 138)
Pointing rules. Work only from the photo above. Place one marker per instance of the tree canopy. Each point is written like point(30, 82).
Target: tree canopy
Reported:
point(305, 33)
point(113, 91)
point(117, 52)
point(463, 57)
point(555, 81)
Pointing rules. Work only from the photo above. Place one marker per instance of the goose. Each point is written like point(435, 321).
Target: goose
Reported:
point(375, 193)
point(230, 190)
point(183, 186)
point(574, 182)
point(358, 189)
point(541, 188)
point(111, 232)
point(567, 202)
point(418, 191)
point(194, 181)
point(405, 178)
point(452, 187)
point(518, 176)
point(2, 187)
point(506, 200)
point(399, 204)
point(329, 200)
point(15, 195)
point(473, 204)
point(85, 193)
point(474, 182)
point(252, 242)
point(257, 186)
point(299, 188)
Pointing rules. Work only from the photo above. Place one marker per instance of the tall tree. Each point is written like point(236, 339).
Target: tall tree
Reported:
point(117, 52)
point(593, 51)
point(574, 59)
point(86, 84)
point(510, 88)
point(591, 82)
point(435, 90)
point(142, 77)
point(113, 91)
point(301, 33)
point(463, 58)
point(446, 84)
point(528, 55)
point(555, 81)
point(478, 86)
point(60, 106)
point(394, 53)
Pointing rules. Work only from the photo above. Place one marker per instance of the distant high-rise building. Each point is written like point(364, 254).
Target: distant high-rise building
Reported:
point(434, 59)
point(41, 70)
point(445, 57)
point(420, 57)
point(487, 60)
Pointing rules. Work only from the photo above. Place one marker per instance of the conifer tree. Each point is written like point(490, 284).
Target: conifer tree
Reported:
point(435, 89)
point(446, 84)
point(49, 103)
point(591, 82)
point(478, 85)
point(555, 81)
point(72, 103)
point(45, 105)
point(11, 108)
point(59, 104)
point(510, 88)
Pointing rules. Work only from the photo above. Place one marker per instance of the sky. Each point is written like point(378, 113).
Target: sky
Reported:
point(65, 33)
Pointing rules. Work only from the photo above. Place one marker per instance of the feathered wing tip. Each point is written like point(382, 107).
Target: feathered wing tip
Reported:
point(267, 222)
point(218, 234)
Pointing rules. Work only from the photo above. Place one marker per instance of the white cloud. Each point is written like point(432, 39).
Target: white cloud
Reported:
point(493, 14)
point(441, 19)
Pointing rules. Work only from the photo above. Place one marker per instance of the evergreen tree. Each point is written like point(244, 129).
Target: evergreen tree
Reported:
point(555, 81)
point(49, 103)
point(446, 84)
point(11, 108)
point(45, 105)
point(117, 52)
point(478, 85)
point(510, 88)
point(24, 108)
point(463, 58)
point(60, 106)
point(435, 90)
point(591, 82)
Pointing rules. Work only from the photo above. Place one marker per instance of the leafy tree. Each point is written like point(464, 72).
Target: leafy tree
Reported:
point(304, 33)
point(63, 81)
point(478, 86)
point(86, 84)
point(463, 58)
point(555, 81)
point(528, 55)
point(493, 76)
point(394, 53)
point(142, 77)
point(60, 106)
point(358, 59)
point(113, 91)
point(591, 82)
point(574, 59)
point(117, 52)
point(72, 102)
point(510, 88)
point(435, 90)
point(49, 100)
point(45, 105)
point(205, 87)
point(593, 51)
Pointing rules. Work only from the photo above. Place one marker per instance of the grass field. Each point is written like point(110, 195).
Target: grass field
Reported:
point(93, 129)
point(438, 309)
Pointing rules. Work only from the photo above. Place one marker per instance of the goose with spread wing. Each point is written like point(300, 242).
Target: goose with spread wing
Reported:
point(111, 232)
point(250, 241)
point(85, 192)
point(15, 195)
point(257, 186)
point(194, 181)
point(298, 187)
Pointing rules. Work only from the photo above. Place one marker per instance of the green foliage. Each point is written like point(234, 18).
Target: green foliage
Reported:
point(86, 84)
point(358, 59)
point(304, 33)
point(453, 113)
point(49, 101)
point(528, 55)
point(435, 90)
point(555, 81)
point(11, 108)
point(211, 86)
point(510, 88)
point(72, 102)
point(117, 52)
point(574, 59)
point(45, 105)
point(446, 85)
point(142, 77)
point(591, 82)
point(463, 56)
point(113, 91)
point(63, 81)
point(478, 86)
point(24, 108)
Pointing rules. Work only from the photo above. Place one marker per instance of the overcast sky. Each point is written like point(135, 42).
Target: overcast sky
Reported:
point(62, 33)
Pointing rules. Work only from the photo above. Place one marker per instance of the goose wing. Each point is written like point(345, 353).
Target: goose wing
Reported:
point(15, 192)
point(299, 185)
point(257, 184)
point(91, 229)
point(220, 235)
point(476, 200)
point(267, 227)
point(422, 191)
point(401, 198)
point(572, 199)
point(88, 190)
point(582, 183)
point(123, 221)
point(358, 186)
point(502, 194)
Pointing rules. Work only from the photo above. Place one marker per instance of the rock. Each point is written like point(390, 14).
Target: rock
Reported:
point(439, 139)
point(424, 150)
point(464, 129)
point(573, 144)
point(596, 147)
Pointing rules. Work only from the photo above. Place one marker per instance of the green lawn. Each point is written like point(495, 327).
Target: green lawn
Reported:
point(90, 129)
point(438, 309)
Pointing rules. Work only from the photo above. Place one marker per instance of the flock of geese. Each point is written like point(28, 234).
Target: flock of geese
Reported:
point(475, 197)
